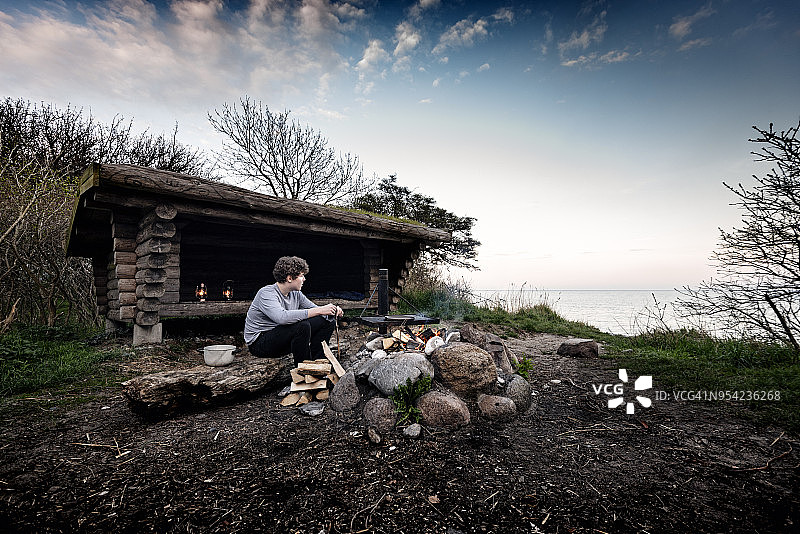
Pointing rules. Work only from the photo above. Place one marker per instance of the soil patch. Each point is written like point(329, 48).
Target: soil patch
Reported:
point(570, 464)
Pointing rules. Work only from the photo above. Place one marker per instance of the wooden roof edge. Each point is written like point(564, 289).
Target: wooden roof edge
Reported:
point(195, 188)
point(89, 179)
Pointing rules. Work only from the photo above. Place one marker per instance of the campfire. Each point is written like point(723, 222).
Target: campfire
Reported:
point(406, 339)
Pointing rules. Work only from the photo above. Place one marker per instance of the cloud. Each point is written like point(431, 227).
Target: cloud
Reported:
point(374, 54)
point(407, 38)
point(466, 33)
point(595, 59)
point(437, 82)
point(592, 34)
point(462, 33)
point(682, 26)
point(426, 101)
point(416, 10)
point(192, 54)
point(764, 21)
point(484, 67)
point(694, 43)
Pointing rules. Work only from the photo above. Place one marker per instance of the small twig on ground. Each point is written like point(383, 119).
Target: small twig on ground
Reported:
point(776, 439)
point(763, 467)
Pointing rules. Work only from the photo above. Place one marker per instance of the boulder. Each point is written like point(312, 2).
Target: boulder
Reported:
point(392, 372)
point(503, 357)
point(579, 348)
point(496, 407)
point(465, 368)
point(433, 343)
point(389, 374)
point(443, 409)
point(365, 367)
point(345, 395)
point(519, 390)
point(204, 385)
point(380, 413)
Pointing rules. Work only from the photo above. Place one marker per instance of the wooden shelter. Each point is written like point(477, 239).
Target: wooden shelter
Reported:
point(154, 236)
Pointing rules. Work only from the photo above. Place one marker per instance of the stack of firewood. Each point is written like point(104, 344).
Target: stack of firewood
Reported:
point(311, 379)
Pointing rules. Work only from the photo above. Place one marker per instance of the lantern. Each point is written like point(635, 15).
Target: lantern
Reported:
point(201, 292)
point(227, 290)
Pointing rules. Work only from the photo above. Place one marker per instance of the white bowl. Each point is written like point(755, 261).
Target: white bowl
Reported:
point(218, 355)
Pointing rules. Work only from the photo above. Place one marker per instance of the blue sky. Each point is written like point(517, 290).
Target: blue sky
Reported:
point(589, 139)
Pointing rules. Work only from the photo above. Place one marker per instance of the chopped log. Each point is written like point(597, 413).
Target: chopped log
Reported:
point(162, 212)
point(124, 285)
point(147, 304)
point(203, 385)
point(155, 244)
point(388, 342)
point(124, 299)
point(120, 313)
point(152, 261)
point(305, 398)
point(319, 384)
point(157, 228)
point(151, 276)
point(310, 379)
point(322, 395)
point(333, 378)
point(290, 399)
point(334, 362)
point(147, 318)
point(124, 244)
point(123, 258)
point(121, 271)
point(297, 377)
point(149, 291)
point(319, 369)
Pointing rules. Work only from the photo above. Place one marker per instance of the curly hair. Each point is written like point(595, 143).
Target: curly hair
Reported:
point(289, 266)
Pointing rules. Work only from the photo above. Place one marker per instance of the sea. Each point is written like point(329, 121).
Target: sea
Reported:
point(626, 312)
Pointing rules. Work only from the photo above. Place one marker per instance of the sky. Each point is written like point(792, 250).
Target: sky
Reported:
point(589, 139)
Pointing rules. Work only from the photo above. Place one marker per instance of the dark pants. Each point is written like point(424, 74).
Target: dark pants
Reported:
point(303, 339)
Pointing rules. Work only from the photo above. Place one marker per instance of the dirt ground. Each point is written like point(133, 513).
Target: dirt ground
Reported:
point(570, 464)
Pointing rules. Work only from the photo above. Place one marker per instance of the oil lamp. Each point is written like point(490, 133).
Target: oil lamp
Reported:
point(227, 290)
point(201, 292)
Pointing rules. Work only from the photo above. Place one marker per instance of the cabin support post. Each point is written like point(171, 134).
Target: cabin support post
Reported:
point(153, 245)
point(383, 296)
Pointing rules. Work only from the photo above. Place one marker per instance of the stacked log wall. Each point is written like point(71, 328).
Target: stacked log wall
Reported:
point(121, 268)
point(154, 253)
point(100, 272)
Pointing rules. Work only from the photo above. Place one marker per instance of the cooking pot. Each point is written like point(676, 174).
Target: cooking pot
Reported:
point(219, 355)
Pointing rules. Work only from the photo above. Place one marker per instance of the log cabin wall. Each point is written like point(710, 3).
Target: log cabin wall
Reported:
point(154, 236)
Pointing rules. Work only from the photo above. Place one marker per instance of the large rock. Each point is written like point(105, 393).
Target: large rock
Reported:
point(465, 368)
point(380, 413)
point(496, 407)
point(519, 390)
point(443, 409)
point(579, 348)
point(503, 357)
point(204, 385)
point(345, 395)
point(392, 372)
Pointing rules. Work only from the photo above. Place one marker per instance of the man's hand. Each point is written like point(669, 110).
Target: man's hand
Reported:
point(329, 309)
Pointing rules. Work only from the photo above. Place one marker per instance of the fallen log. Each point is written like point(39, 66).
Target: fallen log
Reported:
point(200, 386)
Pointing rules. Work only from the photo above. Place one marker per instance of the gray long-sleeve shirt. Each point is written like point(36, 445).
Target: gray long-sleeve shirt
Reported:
point(270, 309)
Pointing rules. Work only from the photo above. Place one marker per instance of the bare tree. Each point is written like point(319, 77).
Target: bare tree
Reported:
point(757, 289)
point(284, 158)
point(43, 152)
